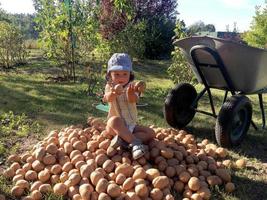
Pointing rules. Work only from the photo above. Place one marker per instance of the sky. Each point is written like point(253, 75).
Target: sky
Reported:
point(217, 12)
point(17, 6)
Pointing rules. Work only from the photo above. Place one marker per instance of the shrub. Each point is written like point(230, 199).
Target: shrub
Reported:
point(179, 70)
point(126, 41)
point(13, 128)
point(12, 49)
point(31, 44)
point(257, 35)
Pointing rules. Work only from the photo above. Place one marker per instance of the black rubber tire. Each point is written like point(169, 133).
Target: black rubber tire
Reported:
point(233, 121)
point(177, 107)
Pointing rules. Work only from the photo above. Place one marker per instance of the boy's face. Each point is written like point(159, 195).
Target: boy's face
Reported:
point(120, 77)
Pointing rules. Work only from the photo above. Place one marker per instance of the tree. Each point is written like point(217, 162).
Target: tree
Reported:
point(196, 27)
point(112, 20)
point(68, 32)
point(26, 23)
point(117, 28)
point(3, 15)
point(158, 16)
point(126, 41)
point(158, 43)
point(154, 9)
point(257, 36)
point(200, 26)
point(209, 27)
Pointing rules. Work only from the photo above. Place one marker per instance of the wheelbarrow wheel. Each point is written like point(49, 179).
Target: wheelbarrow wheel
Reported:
point(178, 111)
point(233, 121)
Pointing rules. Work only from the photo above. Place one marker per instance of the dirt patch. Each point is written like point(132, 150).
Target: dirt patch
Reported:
point(27, 143)
point(23, 145)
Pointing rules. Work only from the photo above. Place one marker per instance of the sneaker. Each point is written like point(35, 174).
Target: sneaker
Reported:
point(138, 150)
point(118, 142)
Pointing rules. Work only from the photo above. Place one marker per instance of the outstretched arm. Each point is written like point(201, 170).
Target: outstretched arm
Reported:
point(131, 94)
point(110, 94)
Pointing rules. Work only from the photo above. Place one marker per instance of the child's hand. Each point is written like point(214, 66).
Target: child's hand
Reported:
point(131, 89)
point(140, 86)
point(131, 95)
point(118, 89)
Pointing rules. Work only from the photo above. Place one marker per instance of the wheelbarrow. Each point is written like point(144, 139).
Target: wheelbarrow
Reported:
point(226, 65)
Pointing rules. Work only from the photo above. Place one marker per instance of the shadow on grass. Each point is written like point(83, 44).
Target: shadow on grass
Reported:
point(52, 103)
point(248, 189)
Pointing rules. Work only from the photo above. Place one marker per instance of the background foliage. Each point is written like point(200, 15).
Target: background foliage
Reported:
point(67, 38)
point(257, 36)
point(12, 51)
point(24, 22)
point(126, 41)
point(179, 70)
point(200, 26)
point(157, 20)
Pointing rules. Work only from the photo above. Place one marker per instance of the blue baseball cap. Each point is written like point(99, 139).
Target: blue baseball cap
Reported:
point(120, 62)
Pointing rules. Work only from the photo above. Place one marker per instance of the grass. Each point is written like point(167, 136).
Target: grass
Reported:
point(56, 105)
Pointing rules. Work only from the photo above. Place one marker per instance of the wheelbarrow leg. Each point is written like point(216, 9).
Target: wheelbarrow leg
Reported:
point(225, 96)
point(262, 110)
point(211, 102)
point(254, 125)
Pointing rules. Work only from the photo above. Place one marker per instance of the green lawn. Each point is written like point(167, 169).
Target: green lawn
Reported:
point(55, 105)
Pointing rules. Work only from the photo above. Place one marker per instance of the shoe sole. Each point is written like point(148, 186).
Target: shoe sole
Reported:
point(141, 155)
point(118, 142)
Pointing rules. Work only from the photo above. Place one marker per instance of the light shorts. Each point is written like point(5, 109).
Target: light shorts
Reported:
point(131, 128)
